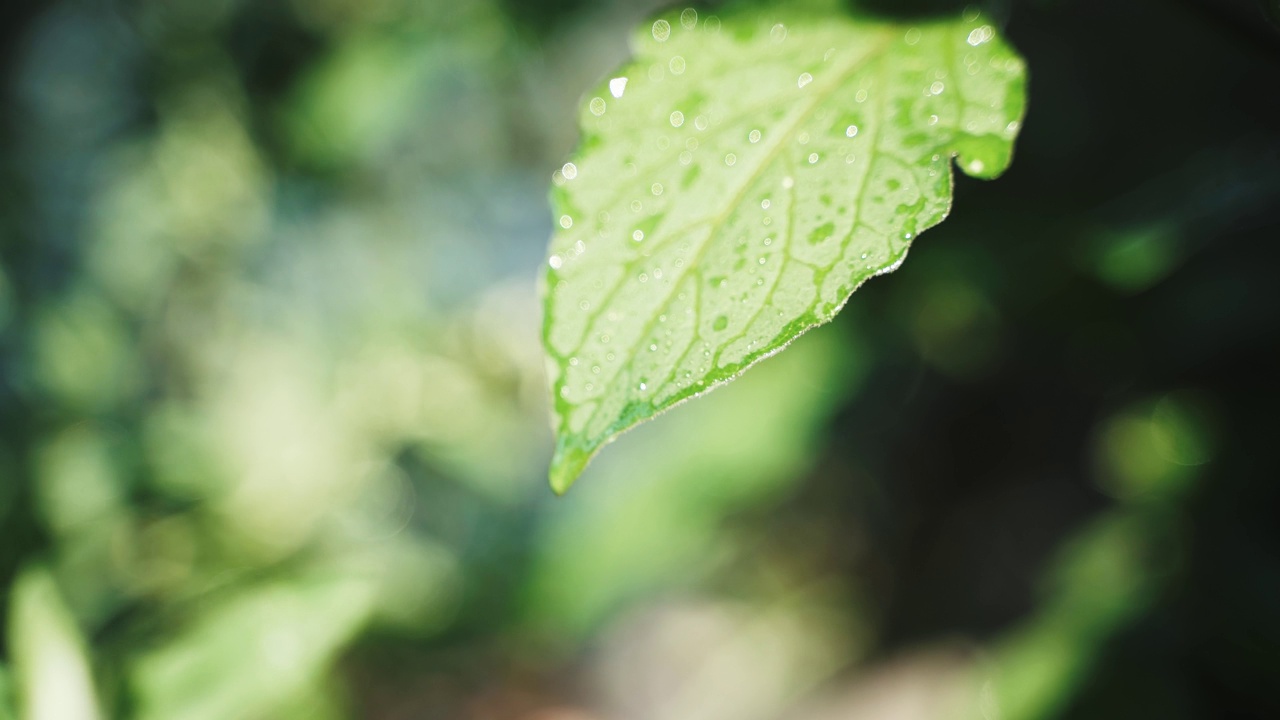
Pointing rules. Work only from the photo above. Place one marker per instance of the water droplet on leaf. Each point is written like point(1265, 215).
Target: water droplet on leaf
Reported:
point(661, 30)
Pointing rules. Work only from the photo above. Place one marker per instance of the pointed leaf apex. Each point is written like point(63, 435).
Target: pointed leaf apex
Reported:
point(567, 464)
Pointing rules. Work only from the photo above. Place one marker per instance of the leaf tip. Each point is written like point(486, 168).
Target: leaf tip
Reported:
point(982, 157)
point(567, 464)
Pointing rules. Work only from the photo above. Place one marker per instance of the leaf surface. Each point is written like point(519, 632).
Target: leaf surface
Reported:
point(736, 182)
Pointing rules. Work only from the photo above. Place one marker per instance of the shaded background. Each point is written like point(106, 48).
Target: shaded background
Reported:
point(274, 425)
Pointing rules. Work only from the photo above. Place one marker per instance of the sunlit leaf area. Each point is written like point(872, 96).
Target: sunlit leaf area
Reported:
point(275, 418)
point(808, 151)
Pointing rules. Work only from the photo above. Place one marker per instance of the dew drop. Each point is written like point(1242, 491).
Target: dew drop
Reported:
point(617, 86)
point(778, 33)
point(803, 138)
point(677, 119)
point(636, 206)
point(700, 122)
point(656, 188)
point(860, 96)
point(765, 203)
point(573, 361)
point(851, 131)
point(937, 87)
point(730, 159)
point(638, 235)
point(689, 18)
point(805, 79)
point(813, 158)
point(597, 106)
point(981, 35)
point(555, 261)
point(754, 137)
point(661, 30)
point(570, 171)
point(677, 65)
point(686, 157)
point(912, 37)
point(848, 159)
point(566, 222)
point(643, 385)
point(788, 182)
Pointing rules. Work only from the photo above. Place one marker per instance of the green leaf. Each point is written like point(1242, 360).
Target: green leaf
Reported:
point(54, 680)
point(254, 654)
point(737, 181)
point(7, 708)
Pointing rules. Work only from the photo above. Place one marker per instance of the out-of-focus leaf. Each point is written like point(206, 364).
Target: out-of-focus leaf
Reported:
point(737, 181)
point(1102, 580)
point(7, 711)
point(254, 654)
point(53, 678)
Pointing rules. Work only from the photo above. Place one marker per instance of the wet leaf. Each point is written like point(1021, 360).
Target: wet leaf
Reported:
point(737, 181)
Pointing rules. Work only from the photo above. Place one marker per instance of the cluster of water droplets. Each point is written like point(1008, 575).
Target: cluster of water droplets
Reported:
point(798, 227)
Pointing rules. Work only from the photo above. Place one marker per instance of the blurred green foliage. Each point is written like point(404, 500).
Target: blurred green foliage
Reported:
point(273, 411)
